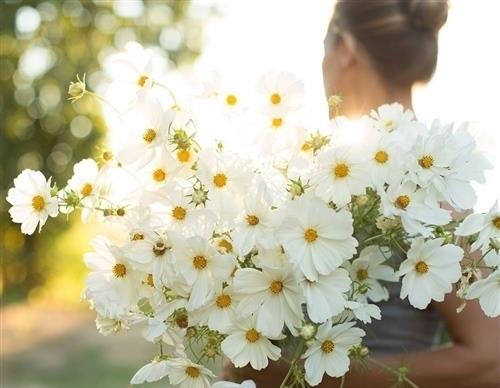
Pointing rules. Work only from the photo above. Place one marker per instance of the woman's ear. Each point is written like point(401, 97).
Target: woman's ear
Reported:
point(349, 50)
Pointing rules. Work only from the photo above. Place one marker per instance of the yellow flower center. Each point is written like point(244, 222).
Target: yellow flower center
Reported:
point(231, 100)
point(277, 122)
point(179, 213)
point(38, 203)
point(327, 346)
point(496, 222)
point(310, 235)
point(223, 301)
point(389, 124)
point(159, 175)
point(341, 170)
point(149, 280)
point(226, 245)
point(119, 270)
point(107, 156)
point(86, 189)
point(402, 201)
point(252, 220)
point(220, 180)
point(149, 135)
point(276, 287)
point(159, 249)
point(183, 156)
point(275, 98)
point(192, 372)
point(381, 157)
point(141, 81)
point(252, 335)
point(362, 274)
point(426, 161)
point(137, 237)
point(199, 262)
point(421, 267)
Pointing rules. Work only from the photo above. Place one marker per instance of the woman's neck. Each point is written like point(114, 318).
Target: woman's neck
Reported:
point(369, 94)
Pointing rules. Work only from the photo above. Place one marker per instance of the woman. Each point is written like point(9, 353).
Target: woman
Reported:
point(375, 51)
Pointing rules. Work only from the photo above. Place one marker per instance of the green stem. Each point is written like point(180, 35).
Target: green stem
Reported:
point(296, 357)
point(169, 92)
point(102, 99)
point(397, 373)
point(373, 238)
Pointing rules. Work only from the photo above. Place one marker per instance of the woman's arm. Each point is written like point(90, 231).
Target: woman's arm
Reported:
point(472, 361)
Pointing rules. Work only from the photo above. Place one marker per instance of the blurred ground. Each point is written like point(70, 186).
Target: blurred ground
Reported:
point(60, 347)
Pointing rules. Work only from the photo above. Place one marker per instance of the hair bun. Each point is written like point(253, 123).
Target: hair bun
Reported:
point(426, 14)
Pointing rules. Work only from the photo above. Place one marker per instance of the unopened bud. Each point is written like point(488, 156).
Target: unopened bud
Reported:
point(77, 89)
point(307, 331)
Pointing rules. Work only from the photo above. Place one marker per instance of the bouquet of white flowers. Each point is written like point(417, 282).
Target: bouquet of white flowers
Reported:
point(286, 243)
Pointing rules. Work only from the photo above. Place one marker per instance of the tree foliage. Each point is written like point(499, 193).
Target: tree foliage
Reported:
point(43, 44)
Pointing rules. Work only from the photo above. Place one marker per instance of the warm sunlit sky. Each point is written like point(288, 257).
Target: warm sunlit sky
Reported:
point(251, 37)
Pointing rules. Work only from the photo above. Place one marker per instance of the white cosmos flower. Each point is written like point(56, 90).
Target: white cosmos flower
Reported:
point(132, 70)
point(246, 344)
point(228, 384)
point(154, 371)
point(325, 297)
point(85, 182)
point(430, 159)
point(368, 269)
point(227, 94)
point(487, 225)
point(153, 253)
point(340, 174)
point(488, 292)
point(174, 208)
point(161, 171)
point(388, 118)
point(407, 201)
point(274, 258)
point(492, 258)
point(31, 200)
point(361, 310)
point(226, 177)
point(315, 237)
point(281, 89)
point(201, 265)
point(112, 283)
point(273, 295)
point(384, 157)
point(254, 226)
point(185, 159)
point(429, 271)
point(219, 312)
point(444, 162)
point(187, 374)
point(329, 352)
point(468, 165)
point(148, 125)
point(278, 131)
point(157, 328)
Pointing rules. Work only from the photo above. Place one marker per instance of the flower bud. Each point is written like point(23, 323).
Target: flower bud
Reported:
point(307, 331)
point(77, 89)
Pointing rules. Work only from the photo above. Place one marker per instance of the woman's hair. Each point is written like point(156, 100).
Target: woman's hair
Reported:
point(399, 35)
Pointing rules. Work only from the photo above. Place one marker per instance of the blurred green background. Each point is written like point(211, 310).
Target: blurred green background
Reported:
point(48, 338)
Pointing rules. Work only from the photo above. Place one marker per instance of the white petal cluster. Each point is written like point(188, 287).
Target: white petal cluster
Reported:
point(238, 231)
